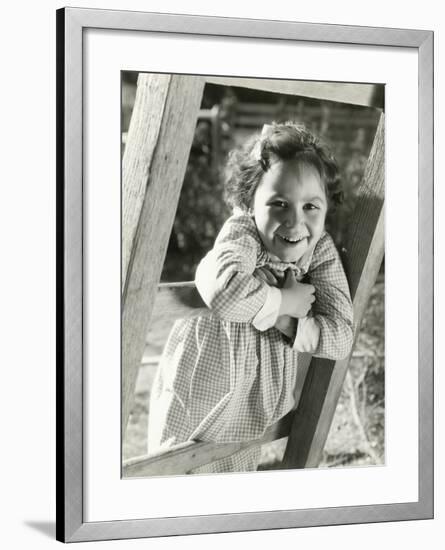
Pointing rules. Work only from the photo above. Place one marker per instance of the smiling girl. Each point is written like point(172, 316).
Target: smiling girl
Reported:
point(229, 374)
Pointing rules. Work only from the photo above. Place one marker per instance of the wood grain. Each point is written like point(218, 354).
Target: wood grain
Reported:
point(356, 94)
point(142, 137)
point(187, 456)
point(160, 159)
point(362, 259)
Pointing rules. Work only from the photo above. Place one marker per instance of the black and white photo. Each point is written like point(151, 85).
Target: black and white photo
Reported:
point(256, 271)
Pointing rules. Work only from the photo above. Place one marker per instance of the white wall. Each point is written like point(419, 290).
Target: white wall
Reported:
point(27, 221)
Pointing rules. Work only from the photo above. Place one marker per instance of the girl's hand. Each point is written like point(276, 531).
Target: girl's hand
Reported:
point(296, 298)
point(287, 325)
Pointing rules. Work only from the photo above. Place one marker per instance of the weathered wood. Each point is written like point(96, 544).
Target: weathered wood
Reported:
point(187, 456)
point(363, 256)
point(357, 94)
point(160, 156)
point(141, 140)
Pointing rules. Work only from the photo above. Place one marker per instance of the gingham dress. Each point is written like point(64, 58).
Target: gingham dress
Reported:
point(222, 380)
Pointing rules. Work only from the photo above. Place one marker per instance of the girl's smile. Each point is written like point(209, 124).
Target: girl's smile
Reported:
point(289, 208)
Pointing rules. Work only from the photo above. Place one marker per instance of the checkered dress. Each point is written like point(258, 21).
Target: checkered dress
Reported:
point(222, 380)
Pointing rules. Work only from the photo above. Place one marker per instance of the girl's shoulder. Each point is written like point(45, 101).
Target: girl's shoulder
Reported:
point(325, 250)
point(239, 227)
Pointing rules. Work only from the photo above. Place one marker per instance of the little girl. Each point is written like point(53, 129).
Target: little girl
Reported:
point(227, 375)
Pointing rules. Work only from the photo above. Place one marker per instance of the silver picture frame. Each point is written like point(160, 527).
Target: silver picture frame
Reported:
point(70, 523)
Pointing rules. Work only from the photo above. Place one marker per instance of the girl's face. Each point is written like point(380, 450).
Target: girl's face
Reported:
point(289, 207)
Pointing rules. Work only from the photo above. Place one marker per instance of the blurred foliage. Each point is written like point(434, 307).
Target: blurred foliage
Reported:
point(201, 210)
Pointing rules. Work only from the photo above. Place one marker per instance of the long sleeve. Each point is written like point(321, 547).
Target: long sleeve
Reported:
point(332, 310)
point(224, 277)
point(307, 335)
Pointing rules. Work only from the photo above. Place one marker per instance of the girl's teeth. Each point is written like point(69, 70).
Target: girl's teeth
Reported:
point(291, 240)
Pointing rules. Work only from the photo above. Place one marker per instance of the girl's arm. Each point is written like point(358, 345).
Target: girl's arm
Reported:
point(225, 280)
point(328, 330)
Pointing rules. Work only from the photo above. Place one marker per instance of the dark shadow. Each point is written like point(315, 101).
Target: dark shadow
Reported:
point(48, 528)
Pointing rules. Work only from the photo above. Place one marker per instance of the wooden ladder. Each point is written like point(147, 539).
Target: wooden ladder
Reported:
point(157, 149)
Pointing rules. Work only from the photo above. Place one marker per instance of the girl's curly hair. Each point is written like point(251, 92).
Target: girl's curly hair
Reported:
point(283, 141)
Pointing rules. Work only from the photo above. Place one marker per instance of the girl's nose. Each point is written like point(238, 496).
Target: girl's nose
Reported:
point(293, 218)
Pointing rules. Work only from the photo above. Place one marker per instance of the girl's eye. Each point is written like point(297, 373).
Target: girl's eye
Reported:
point(280, 204)
point(310, 206)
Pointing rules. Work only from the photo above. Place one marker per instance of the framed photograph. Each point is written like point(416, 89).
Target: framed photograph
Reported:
point(194, 396)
